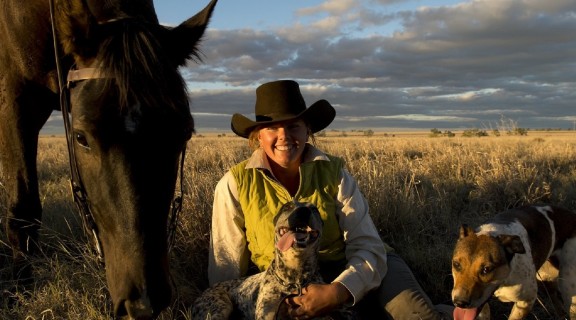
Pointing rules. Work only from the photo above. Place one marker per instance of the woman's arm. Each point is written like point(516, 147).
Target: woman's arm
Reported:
point(228, 254)
point(365, 251)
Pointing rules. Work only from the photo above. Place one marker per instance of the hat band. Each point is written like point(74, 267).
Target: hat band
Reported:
point(274, 116)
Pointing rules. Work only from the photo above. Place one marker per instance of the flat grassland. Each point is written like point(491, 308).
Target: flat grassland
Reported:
point(420, 189)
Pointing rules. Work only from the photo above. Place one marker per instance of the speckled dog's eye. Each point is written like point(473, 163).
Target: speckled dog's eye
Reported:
point(282, 231)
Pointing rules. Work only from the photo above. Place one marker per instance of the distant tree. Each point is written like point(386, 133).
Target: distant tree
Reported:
point(368, 133)
point(519, 132)
point(321, 133)
point(435, 132)
point(449, 134)
point(474, 133)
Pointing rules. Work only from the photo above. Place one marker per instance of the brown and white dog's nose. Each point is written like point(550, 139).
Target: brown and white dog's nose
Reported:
point(461, 303)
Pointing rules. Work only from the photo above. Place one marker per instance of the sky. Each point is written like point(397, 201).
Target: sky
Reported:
point(389, 64)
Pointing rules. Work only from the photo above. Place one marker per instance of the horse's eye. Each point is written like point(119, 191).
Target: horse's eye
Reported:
point(81, 140)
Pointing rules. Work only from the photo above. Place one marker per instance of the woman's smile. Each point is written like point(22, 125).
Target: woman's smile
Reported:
point(284, 148)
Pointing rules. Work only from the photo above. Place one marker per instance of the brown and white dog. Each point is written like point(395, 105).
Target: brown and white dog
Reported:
point(504, 256)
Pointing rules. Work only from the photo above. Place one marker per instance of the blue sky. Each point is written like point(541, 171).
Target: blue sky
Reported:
point(386, 64)
point(259, 14)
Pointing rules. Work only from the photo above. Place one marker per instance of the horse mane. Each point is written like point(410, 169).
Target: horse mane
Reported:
point(140, 66)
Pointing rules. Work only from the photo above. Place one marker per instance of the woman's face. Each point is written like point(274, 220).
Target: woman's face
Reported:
point(284, 142)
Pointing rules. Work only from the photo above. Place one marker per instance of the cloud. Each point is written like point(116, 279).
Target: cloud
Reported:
point(332, 7)
point(483, 58)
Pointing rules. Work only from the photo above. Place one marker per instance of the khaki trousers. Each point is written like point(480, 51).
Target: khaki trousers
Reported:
point(400, 297)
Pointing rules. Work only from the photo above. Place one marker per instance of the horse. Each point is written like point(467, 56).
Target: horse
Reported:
point(113, 71)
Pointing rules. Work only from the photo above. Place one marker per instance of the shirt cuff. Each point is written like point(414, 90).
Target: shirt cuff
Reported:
point(353, 283)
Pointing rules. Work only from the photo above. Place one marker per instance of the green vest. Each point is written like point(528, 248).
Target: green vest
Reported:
point(261, 196)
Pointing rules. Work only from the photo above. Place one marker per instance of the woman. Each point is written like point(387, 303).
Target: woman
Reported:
point(353, 259)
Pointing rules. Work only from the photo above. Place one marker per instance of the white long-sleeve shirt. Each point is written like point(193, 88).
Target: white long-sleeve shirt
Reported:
point(365, 251)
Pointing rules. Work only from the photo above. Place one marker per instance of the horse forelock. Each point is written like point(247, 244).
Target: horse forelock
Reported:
point(140, 66)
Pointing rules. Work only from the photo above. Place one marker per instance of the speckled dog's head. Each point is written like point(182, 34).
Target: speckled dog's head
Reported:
point(298, 227)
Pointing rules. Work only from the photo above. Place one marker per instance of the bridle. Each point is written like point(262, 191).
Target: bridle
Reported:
point(78, 191)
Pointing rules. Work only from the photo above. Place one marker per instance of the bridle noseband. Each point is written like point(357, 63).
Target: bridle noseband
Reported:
point(78, 191)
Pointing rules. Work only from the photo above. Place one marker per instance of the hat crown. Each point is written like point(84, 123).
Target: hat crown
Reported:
point(278, 99)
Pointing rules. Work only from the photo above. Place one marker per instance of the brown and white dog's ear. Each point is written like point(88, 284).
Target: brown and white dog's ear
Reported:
point(465, 231)
point(511, 243)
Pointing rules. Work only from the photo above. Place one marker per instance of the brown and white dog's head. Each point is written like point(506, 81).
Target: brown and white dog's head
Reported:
point(480, 263)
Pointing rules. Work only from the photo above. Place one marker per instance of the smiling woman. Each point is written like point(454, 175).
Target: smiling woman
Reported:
point(284, 168)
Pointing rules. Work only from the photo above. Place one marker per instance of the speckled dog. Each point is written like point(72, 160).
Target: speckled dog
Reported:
point(298, 228)
point(506, 255)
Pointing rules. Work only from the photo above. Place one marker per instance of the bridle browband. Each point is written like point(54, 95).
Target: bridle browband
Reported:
point(85, 74)
point(78, 192)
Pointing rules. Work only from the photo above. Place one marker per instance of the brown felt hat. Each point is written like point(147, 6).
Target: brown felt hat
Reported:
point(280, 101)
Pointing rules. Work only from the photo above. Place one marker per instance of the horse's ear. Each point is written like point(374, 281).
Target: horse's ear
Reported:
point(184, 39)
point(75, 27)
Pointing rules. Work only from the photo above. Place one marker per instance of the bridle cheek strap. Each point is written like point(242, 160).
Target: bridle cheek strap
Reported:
point(78, 191)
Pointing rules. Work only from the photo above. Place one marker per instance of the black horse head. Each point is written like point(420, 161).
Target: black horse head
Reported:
point(130, 125)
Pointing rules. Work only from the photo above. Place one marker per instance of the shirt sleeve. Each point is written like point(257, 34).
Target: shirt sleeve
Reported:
point(228, 255)
point(365, 251)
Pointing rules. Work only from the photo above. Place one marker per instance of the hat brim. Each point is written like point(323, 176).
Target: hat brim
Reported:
point(318, 116)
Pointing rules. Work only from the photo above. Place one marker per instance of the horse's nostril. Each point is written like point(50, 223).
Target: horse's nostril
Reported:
point(119, 310)
point(140, 309)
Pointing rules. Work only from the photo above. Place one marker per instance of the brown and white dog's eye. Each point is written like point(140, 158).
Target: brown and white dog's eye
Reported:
point(486, 270)
point(456, 265)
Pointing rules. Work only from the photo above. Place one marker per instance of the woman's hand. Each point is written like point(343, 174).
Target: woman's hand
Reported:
point(317, 300)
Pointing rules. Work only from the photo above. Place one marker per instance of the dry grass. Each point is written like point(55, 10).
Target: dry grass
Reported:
point(420, 190)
